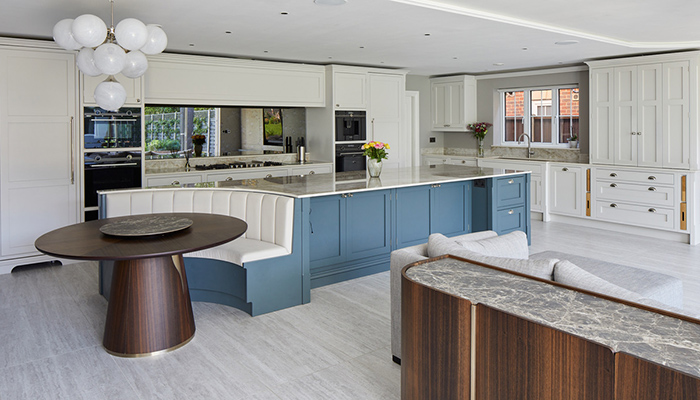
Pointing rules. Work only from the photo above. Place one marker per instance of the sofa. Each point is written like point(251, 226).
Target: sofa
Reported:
point(511, 252)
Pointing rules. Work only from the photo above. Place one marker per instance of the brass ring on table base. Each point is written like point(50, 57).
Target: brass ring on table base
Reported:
point(153, 353)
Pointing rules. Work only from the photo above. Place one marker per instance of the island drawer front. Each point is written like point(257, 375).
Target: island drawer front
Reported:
point(172, 180)
point(658, 178)
point(635, 193)
point(654, 217)
point(511, 191)
point(511, 219)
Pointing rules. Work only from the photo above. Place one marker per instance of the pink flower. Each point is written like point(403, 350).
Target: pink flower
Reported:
point(378, 145)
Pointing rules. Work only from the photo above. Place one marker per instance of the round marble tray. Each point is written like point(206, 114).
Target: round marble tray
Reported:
point(146, 225)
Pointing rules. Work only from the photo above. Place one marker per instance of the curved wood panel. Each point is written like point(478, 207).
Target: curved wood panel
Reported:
point(638, 379)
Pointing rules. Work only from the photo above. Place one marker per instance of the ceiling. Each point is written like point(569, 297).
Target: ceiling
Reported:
point(437, 37)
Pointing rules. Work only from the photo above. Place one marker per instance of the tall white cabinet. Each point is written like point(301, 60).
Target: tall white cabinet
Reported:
point(39, 182)
point(386, 95)
point(644, 111)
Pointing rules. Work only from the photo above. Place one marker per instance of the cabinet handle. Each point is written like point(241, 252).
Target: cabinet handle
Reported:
point(337, 105)
point(268, 176)
point(639, 133)
point(652, 209)
point(228, 179)
point(652, 189)
point(613, 185)
point(614, 175)
point(175, 183)
point(613, 205)
point(652, 178)
point(312, 172)
point(349, 194)
point(510, 212)
point(510, 182)
point(564, 169)
point(72, 155)
point(634, 133)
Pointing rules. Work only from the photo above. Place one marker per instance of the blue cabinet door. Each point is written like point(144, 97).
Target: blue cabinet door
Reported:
point(368, 224)
point(326, 230)
point(412, 215)
point(451, 209)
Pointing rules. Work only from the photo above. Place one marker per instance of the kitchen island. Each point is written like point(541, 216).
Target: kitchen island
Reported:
point(346, 224)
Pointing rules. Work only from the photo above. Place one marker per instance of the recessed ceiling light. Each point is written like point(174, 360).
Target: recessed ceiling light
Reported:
point(454, 58)
point(524, 48)
point(566, 42)
point(191, 44)
point(498, 64)
point(331, 2)
point(330, 58)
point(362, 47)
point(228, 32)
point(265, 51)
point(426, 34)
point(284, 13)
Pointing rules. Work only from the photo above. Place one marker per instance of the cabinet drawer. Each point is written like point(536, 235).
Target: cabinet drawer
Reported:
point(635, 176)
point(511, 191)
point(636, 193)
point(310, 170)
point(652, 217)
point(510, 219)
point(172, 180)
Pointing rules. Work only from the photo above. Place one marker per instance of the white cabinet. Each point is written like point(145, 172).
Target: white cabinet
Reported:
point(133, 87)
point(386, 94)
point(312, 169)
point(253, 173)
point(350, 90)
point(567, 190)
point(453, 103)
point(451, 160)
point(461, 161)
point(39, 184)
point(640, 111)
point(173, 179)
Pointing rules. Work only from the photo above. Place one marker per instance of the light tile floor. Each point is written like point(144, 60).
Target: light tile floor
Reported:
point(336, 347)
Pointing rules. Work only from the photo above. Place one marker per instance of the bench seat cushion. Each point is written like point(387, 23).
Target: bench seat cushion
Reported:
point(241, 250)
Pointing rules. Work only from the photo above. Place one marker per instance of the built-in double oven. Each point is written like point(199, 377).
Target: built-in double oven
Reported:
point(350, 133)
point(112, 153)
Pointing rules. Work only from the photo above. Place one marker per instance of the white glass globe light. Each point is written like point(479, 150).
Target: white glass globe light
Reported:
point(156, 41)
point(110, 94)
point(63, 36)
point(110, 58)
point(131, 34)
point(86, 62)
point(89, 30)
point(136, 64)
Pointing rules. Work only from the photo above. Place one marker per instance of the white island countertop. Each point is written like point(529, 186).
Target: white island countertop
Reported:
point(301, 186)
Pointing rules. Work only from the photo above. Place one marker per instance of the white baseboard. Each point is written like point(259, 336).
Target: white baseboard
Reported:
point(6, 266)
point(634, 230)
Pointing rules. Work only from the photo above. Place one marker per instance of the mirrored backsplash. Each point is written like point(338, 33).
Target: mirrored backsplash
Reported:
point(171, 131)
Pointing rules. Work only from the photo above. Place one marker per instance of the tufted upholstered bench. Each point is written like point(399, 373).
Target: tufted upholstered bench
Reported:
point(258, 272)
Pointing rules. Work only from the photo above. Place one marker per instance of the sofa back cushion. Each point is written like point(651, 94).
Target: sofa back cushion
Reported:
point(439, 245)
point(568, 273)
point(511, 245)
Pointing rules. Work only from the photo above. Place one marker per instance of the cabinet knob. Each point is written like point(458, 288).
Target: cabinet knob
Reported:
point(613, 185)
point(510, 212)
point(652, 189)
point(564, 169)
point(464, 161)
point(613, 205)
point(337, 105)
point(652, 178)
point(228, 178)
point(614, 175)
point(639, 133)
point(268, 176)
point(652, 210)
point(175, 183)
point(446, 125)
point(312, 172)
point(510, 182)
point(634, 133)
point(349, 194)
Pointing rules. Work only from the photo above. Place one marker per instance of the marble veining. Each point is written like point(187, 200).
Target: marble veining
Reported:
point(145, 225)
point(658, 338)
point(343, 182)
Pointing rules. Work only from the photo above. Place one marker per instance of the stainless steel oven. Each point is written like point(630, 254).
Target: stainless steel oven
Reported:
point(109, 170)
point(108, 130)
point(349, 157)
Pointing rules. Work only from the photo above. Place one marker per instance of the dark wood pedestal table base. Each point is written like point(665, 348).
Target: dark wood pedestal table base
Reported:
point(149, 308)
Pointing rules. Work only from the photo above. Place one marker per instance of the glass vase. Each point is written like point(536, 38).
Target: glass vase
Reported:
point(374, 167)
point(480, 151)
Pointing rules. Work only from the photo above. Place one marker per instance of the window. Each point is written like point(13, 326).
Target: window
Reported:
point(548, 115)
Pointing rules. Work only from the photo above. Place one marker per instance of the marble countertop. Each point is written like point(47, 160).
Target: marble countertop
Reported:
point(658, 338)
point(344, 182)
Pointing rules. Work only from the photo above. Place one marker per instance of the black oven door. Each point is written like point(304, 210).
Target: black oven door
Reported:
point(355, 161)
point(110, 175)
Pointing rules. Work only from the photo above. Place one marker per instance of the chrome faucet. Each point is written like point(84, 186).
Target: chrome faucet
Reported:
point(530, 152)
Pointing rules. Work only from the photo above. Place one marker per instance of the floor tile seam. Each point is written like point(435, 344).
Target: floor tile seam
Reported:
point(125, 376)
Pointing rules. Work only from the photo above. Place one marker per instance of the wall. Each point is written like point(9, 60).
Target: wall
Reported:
point(421, 84)
point(488, 102)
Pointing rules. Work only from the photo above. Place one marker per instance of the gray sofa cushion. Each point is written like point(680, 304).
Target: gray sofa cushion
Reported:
point(439, 245)
point(653, 285)
point(568, 273)
point(511, 245)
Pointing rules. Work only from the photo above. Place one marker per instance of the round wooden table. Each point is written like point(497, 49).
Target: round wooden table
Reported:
point(149, 308)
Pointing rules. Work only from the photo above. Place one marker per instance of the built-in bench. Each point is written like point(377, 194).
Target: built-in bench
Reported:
point(258, 272)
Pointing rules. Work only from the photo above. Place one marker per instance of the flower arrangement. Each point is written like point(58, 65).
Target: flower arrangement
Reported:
point(480, 129)
point(375, 150)
point(199, 139)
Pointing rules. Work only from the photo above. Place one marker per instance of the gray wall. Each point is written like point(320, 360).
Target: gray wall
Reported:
point(488, 101)
point(421, 84)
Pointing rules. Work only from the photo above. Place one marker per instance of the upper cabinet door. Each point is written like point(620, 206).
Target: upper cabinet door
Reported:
point(649, 142)
point(602, 140)
point(626, 116)
point(385, 117)
point(453, 103)
point(676, 115)
point(133, 89)
point(350, 90)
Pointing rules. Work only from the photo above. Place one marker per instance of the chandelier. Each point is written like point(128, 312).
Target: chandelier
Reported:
point(110, 51)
